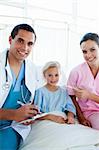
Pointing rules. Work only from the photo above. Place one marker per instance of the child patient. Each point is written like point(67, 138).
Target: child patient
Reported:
point(52, 97)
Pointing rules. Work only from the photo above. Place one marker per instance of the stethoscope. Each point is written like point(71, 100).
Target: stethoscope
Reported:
point(6, 84)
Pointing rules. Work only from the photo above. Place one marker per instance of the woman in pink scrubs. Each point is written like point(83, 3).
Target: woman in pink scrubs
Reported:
point(83, 82)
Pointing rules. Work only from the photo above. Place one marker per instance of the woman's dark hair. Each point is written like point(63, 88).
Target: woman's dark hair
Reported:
point(22, 27)
point(90, 36)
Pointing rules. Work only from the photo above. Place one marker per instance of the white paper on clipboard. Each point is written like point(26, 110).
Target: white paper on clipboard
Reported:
point(33, 118)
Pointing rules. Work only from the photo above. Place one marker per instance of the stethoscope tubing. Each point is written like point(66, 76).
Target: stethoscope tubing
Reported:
point(6, 85)
point(5, 67)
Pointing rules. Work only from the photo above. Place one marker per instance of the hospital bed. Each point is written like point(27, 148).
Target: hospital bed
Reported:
point(48, 135)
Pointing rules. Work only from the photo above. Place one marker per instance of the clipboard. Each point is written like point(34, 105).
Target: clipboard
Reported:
point(33, 118)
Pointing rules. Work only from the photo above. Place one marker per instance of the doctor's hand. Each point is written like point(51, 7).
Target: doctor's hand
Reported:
point(82, 93)
point(25, 111)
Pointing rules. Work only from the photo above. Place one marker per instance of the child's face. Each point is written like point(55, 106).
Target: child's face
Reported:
point(52, 76)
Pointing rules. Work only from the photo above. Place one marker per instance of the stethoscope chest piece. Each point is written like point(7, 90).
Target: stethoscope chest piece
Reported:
point(6, 86)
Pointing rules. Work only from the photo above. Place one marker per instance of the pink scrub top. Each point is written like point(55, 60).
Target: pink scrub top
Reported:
point(82, 77)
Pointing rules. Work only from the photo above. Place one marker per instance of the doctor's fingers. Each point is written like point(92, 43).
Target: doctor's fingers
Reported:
point(32, 113)
point(34, 110)
point(35, 107)
point(26, 111)
point(30, 110)
point(30, 107)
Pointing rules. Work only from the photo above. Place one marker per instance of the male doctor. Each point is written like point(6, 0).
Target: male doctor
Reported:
point(17, 87)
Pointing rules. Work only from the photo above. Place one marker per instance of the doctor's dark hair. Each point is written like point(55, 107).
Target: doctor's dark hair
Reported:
point(22, 27)
point(90, 36)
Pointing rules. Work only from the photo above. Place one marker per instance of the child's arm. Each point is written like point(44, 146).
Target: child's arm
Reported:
point(54, 118)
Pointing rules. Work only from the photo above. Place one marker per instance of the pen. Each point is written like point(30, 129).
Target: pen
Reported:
point(68, 86)
point(21, 103)
point(71, 87)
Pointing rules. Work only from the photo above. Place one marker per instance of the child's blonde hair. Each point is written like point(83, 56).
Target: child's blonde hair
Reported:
point(51, 64)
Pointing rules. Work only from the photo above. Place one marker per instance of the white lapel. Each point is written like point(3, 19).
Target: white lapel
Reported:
point(30, 77)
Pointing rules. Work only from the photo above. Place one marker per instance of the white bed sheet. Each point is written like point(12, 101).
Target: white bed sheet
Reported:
point(48, 135)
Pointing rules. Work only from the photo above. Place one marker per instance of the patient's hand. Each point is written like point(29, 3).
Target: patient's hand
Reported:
point(70, 120)
point(57, 119)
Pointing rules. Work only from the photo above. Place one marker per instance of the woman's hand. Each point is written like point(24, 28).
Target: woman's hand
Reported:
point(82, 93)
point(84, 121)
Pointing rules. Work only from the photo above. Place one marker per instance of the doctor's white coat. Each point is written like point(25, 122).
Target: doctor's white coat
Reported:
point(31, 83)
